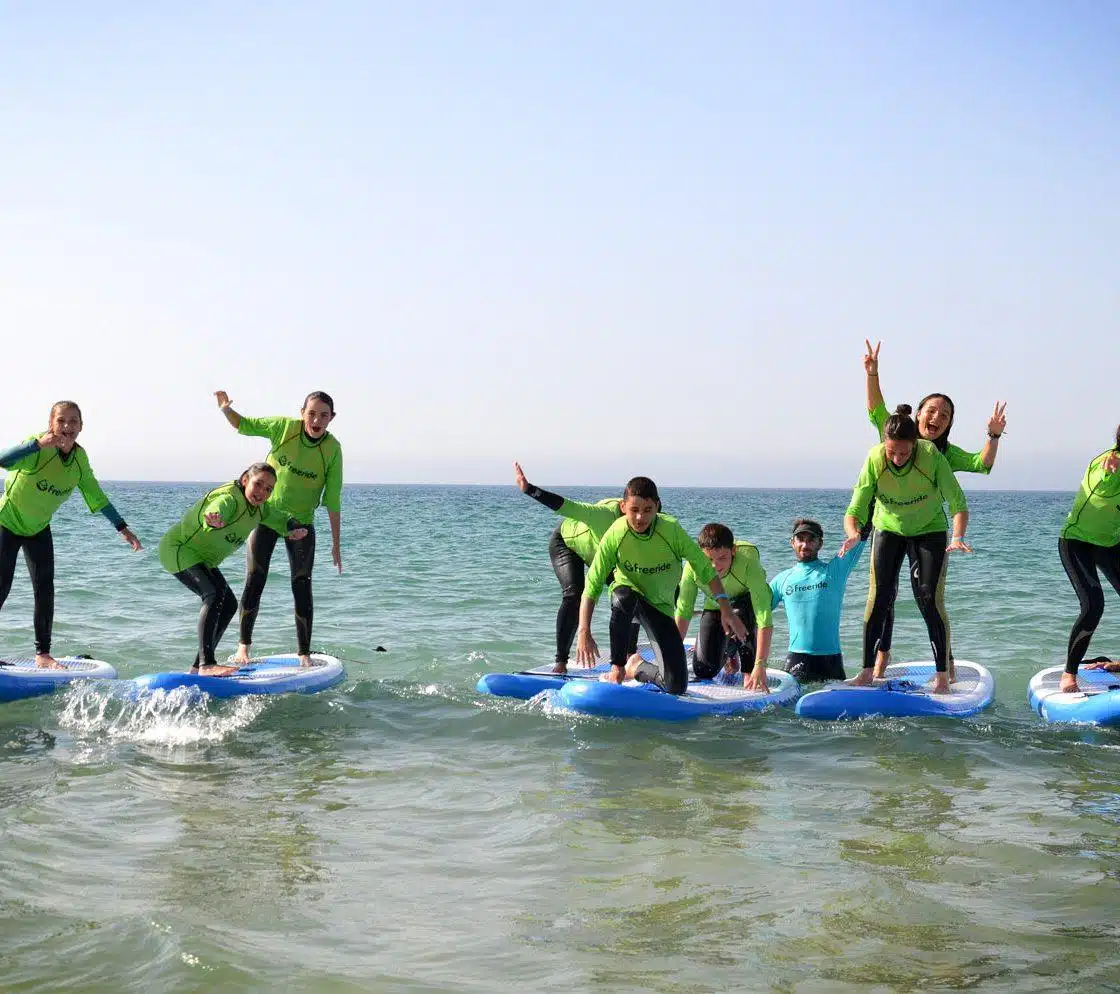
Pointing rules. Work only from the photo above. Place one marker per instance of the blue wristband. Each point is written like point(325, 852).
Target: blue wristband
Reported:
point(721, 597)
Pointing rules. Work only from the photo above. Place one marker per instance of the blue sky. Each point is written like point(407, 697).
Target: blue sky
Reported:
point(605, 239)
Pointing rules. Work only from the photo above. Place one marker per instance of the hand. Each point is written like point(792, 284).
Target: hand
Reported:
point(1111, 461)
point(958, 545)
point(222, 398)
point(519, 478)
point(848, 544)
point(214, 520)
point(1102, 664)
point(733, 624)
point(336, 556)
point(131, 539)
point(49, 440)
point(587, 652)
point(871, 360)
point(297, 533)
point(997, 422)
point(756, 679)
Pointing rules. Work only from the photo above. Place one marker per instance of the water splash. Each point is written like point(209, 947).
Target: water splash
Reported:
point(179, 717)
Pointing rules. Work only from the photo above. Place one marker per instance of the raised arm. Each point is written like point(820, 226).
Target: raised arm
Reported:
point(223, 402)
point(871, 369)
point(996, 425)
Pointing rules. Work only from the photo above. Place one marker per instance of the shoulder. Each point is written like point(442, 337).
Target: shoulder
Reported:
point(611, 503)
point(747, 549)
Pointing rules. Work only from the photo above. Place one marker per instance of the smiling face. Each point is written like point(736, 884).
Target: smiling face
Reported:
point(66, 421)
point(899, 451)
point(639, 513)
point(935, 417)
point(258, 486)
point(720, 559)
point(316, 415)
point(806, 546)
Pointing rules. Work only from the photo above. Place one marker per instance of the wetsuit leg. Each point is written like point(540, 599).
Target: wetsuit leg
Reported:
point(569, 570)
point(301, 560)
point(38, 553)
point(10, 544)
point(218, 608)
point(709, 646)
point(928, 565)
point(261, 543)
point(664, 637)
point(1081, 561)
point(887, 553)
point(808, 667)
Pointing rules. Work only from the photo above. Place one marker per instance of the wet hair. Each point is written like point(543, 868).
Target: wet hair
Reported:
point(326, 398)
point(257, 467)
point(942, 440)
point(900, 427)
point(715, 536)
point(63, 405)
point(644, 487)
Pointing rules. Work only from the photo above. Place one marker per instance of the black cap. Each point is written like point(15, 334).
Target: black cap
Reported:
point(805, 525)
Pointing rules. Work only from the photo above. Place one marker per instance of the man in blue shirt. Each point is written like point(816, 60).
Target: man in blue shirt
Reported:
point(813, 593)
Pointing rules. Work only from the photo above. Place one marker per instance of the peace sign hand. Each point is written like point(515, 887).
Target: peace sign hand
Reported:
point(871, 360)
point(997, 422)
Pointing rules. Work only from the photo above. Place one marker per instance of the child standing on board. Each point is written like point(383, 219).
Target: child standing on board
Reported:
point(215, 527)
point(307, 460)
point(645, 549)
point(42, 473)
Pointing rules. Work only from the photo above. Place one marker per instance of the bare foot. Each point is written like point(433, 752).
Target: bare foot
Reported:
point(940, 684)
point(561, 667)
point(216, 670)
point(45, 661)
point(305, 660)
point(613, 675)
point(882, 659)
point(631, 669)
point(952, 672)
point(1068, 684)
point(242, 654)
point(864, 678)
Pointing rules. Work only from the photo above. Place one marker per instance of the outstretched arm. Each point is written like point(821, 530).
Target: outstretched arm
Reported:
point(223, 402)
point(550, 500)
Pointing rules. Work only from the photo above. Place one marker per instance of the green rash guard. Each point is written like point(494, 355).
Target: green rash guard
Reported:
point(305, 470)
point(908, 501)
point(1095, 515)
point(959, 460)
point(584, 525)
point(39, 484)
point(649, 563)
point(745, 575)
point(193, 541)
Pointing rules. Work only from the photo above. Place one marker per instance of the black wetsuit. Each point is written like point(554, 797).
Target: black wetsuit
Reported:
point(218, 608)
point(1081, 561)
point(301, 559)
point(38, 553)
point(713, 647)
point(629, 607)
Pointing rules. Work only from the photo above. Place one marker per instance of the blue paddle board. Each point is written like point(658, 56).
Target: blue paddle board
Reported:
point(1098, 703)
point(529, 683)
point(264, 675)
point(20, 678)
point(905, 692)
point(645, 700)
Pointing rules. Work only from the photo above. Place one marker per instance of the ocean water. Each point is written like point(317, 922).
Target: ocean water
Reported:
point(400, 833)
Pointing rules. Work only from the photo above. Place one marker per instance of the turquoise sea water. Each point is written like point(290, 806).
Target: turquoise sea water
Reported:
point(400, 833)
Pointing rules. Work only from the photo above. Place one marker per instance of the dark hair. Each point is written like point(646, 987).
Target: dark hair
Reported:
point(942, 440)
point(644, 487)
point(257, 467)
point(326, 398)
point(63, 404)
point(900, 427)
point(715, 536)
point(1118, 437)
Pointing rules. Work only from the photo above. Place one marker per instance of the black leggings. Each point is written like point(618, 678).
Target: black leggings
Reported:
point(928, 561)
point(712, 643)
point(38, 553)
point(809, 667)
point(668, 646)
point(218, 608)
point(1081, 561)
point(301, 559)
point(569, 570)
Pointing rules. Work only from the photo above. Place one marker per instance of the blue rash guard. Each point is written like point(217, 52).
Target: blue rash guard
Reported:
point(813, 593)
